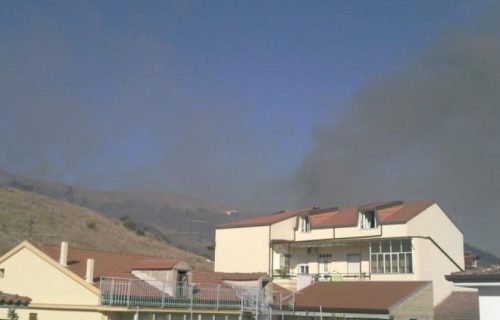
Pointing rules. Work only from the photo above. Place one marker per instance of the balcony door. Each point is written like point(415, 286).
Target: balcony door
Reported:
point(354, 263)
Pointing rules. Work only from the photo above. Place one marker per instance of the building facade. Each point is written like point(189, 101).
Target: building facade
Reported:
point(69, 283)
point(386, 241)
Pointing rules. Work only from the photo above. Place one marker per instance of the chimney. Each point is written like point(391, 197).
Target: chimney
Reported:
point(63, 257)
point(89, 275)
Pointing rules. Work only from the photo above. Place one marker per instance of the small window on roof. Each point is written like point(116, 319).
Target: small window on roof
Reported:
point(305, 225)
point(368, 220)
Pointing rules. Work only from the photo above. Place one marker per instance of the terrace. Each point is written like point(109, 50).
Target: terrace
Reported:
point(163, 294)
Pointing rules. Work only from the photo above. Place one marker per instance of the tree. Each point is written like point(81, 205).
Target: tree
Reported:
point(12, 314)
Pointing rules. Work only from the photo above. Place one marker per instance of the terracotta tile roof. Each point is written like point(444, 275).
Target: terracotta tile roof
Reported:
point(13, 299)
point(281, 295)
point(155, 264)
point(355, 296)
point(339, 217)
point(479, 274)
point(264, 220)
point(459, 305)
point(208, 277)
point(403, 212)
point(107, 264)
point(388, 213)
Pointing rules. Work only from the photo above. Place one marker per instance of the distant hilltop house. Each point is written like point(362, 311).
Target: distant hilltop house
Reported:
point(230, 211)
point(384, 241)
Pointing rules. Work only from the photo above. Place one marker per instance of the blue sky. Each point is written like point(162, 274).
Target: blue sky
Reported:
point(215, 99)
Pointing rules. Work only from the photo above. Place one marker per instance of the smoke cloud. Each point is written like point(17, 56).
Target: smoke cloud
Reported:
point(430, 131)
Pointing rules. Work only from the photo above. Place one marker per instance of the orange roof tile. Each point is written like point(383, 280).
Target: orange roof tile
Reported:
point(13, 299)
point(458, 306)
point(388, 213)
point(209, 277)
point(108, 264)
point(264, 220)
point(355, 296)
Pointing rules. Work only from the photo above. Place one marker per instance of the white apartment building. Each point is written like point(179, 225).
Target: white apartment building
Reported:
point(384, 241)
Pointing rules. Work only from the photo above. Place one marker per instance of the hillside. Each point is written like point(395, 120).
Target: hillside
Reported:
point(186, 222)
point(485, 257)
point(41, 219)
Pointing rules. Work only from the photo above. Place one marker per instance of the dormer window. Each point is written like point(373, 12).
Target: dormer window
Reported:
point(368, 220)
point(305, 225)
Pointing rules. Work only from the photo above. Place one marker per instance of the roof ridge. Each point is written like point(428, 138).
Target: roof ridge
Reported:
point(42, 246)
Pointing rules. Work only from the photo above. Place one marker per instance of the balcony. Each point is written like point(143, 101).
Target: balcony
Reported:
point(333, 276)
point(295, 282)
point(162, 294)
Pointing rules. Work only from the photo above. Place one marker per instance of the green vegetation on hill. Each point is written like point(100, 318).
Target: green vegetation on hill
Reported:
point(184, 222)
point(26, 215)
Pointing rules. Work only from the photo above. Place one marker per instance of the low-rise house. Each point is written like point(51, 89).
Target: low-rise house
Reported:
point(384, 241)
point(71, 283)
point(487, 281)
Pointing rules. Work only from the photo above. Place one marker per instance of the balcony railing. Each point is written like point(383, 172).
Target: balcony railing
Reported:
point(162, 294)
point(333, 276)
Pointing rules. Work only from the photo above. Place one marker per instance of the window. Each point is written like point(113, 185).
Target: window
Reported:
point(284, 261)
point(303, 269)
point(33, 316)
point(305, 225)
point(368, 220)
point(325, 259)
point(312, 250)
point(2, 273)
point(391, 256)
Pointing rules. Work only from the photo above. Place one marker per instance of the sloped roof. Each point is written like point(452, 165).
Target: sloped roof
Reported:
point(13, 299)
point(479, 274)
point(209, 277)
point(459, 305)
point(108, 264)
point(388, 212)
point(356, 296)
point(264, 220)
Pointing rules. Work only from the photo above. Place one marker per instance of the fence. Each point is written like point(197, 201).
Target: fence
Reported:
point(154, 293)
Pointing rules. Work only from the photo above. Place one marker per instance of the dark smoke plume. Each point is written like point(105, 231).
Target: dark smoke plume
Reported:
point(429, 131)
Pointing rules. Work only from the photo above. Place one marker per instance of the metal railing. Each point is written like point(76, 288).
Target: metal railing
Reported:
point(162, 294)
point(333, 276)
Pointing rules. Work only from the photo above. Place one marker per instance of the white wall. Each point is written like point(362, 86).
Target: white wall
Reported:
point(242, 249)
point(29, 275)
point(283, 230)
point(429, 262)
point(489, 303)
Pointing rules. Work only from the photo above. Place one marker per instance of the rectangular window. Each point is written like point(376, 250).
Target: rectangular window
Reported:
point(284, 262)
point(33, 316)
point(394, 263)
point(391, 256)
point(305, 225)
point(374, 263)
point(2, 273)
point(368, 220)
point(325, 260)
point(387, 264)
point(380, 263)
point(304, 269)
